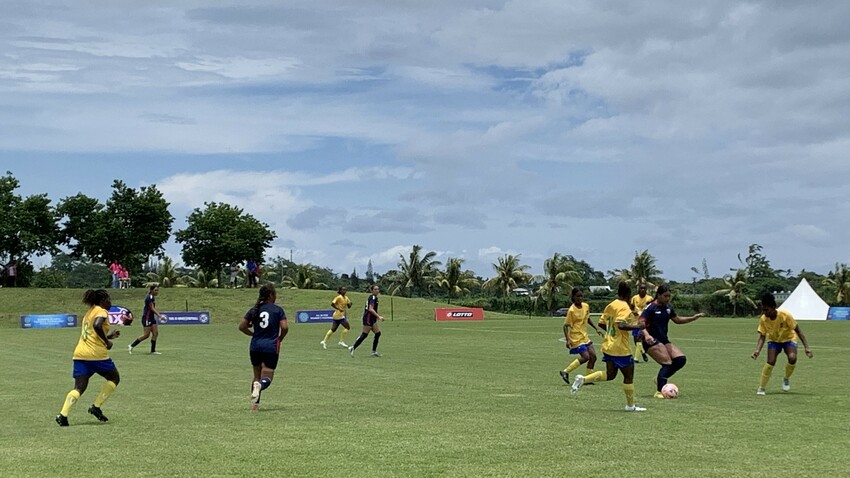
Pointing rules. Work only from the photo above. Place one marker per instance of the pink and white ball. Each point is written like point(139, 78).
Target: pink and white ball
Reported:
point(670, 391)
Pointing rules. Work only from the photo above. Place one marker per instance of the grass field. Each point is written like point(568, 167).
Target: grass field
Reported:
point(446, 399)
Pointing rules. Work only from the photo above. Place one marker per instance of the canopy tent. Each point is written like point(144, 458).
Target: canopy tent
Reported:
point(805, 304)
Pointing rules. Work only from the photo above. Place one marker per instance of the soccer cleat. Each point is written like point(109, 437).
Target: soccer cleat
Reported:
point(634, 408)
point(98, 413)
point(62, 420)
point(130, 349)
point(786, 385)
point(658, 395)
point(255, 393)
point(375, 353)
point(565, 376)
point(760, 391)
point(343, 344)
point(255, 407)
point(323, 344)
point(156, 353)
point(351, 350)
point(644, 357)
point(577, 383)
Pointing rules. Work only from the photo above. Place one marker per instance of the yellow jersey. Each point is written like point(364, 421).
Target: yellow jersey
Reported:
point(340, 303)
point(91, 346)
point(577, 320)
point(617, 342)
point(780, 329)
point(639, 303)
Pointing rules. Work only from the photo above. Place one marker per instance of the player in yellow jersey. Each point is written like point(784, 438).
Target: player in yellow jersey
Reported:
point(575, 333)
point(639, 302)
point(341, 304)
point(780, 330)
point(91, 356)
point(617, 320)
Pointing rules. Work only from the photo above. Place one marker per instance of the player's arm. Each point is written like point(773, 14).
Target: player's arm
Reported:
point(245, 327)
point(649, 339)
point(759, 345)
point(155, 310)
point(567, 334)
point(805, 342)
point(373, 312)
point(284, 328)
point(625, 325)
point(590, 323)
point(685, 320)
point(98, 329)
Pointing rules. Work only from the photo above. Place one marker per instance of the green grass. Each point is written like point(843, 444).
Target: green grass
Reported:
point(446, 399)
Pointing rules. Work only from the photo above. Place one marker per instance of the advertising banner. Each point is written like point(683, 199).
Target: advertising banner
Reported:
point(184, 318)
point(313, 316)
point(459, 313)
point(117, 314)
point(838, 313)
point(48, 321)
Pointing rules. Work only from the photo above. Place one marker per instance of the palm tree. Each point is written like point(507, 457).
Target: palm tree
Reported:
point(839, 282)
point(735, 290)
point(643, 271)
point(454, 280)
point(200, 280)
point(558, 274)
point(304, 277)
point(166, 275)
point(509, 274)
point(417, 272)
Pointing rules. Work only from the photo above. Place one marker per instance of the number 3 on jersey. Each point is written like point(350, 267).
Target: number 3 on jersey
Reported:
point(264, 320)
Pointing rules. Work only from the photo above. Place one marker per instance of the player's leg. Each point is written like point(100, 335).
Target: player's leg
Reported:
point(583, 357)
point(324, 342)
point(639, 352)
point(591, 359)
point(790, 349)
point(363, 334)
point(110, 373)
point(375, 339)
point(81, 382)
point(629, 388)
point(661, 355)
point(677, 358)
point(346, 327)
point(767, 370)
point(146, 332)
point(154, 336)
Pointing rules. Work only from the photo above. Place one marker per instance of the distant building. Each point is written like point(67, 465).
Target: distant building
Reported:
point(781, 296)
point(520, 292)
point(599, 288)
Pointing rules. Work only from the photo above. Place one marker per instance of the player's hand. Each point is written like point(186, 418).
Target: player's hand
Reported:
point(114, 334)
point(699, 314)
point(809, 353)
point(650, 340)
point(108, 344)
point(381, 318)
point(756, 354)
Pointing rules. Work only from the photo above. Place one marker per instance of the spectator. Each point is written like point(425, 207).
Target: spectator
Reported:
point(11, 273)
point(251, 266)
point(115, 268)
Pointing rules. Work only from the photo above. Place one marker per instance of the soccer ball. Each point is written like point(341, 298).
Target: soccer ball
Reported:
point(670, 391)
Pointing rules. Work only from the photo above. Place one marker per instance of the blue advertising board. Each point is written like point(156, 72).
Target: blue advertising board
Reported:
point(184, 318)
point(838, 313)
point(48, 321)
point(313, 316)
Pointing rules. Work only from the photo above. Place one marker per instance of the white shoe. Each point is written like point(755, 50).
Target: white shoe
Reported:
point(760, 391)
point(351, 350)
point(156, 353)
point(343, 344)
point(130, 349)
point(634, 408)
point(255, 393)
point(786, 385)
point(324, 345)
point(376, 354)
point(577, 383)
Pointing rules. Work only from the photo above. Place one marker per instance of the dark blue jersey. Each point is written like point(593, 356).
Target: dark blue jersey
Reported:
point(266, 327)
point(658, 319)
point(147, 314)
point(373, 301)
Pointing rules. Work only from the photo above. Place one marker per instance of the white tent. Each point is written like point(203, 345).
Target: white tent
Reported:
point(805, 304)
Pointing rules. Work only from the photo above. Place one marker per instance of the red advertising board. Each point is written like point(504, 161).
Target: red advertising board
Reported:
point(459, 313)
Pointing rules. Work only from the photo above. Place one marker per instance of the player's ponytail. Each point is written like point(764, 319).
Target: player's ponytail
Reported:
point(266, 291)
point(93, 297)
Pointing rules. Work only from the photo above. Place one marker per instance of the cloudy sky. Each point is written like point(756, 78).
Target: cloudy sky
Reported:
point(474, 128)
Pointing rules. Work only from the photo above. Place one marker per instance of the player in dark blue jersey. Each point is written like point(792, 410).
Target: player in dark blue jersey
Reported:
point(370, 323)
point(267, 326)
point(657, 316)
point(149, 316)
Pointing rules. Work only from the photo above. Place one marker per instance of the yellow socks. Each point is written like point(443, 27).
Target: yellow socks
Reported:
point(789, 369)
point(765, 375)
point(343, 335)
point(70, 400)
point(638, 351)
point(105, 391)
point(588, 371)
point(572, 366)
point(327, 335)
point(629, 390)
point(600, 376)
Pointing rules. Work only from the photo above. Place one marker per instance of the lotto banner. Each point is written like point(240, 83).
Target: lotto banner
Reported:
point(117, 313)
point(459, 313)
point(838, 313)
point(184, 318)
point(48, 321)
point(313, 316)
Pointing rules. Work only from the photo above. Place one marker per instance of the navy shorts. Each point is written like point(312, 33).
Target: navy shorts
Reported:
point(149, 322)
point(580, 349)
point(658, 340)
point(781, 345)
point(369, 320)
point(619, 361)
point(269, 359)
point(85, 368)
point(341, 321)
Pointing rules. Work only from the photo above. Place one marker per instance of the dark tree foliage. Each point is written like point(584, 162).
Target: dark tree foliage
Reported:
point(28, 226)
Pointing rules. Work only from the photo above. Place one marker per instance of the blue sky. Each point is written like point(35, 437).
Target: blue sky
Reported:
point(473, 128)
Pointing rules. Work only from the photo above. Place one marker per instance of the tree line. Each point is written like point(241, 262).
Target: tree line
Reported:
point(82, 235)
